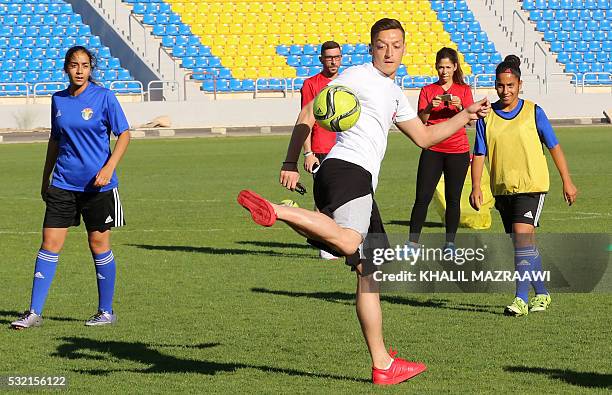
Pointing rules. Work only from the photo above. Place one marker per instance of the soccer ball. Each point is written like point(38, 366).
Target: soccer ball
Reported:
point(289, 203)
point(336, 108)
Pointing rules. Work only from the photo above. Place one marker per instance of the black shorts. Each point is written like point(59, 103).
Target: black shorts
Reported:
point(337, 183)
point(524, 208)
point(100, 210)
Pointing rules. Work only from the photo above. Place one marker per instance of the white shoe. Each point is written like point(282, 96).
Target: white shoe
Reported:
point(326, 255)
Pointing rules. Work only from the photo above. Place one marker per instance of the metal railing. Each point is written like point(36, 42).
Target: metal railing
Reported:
point(191, 73)
point(17, 84)
point(36, 91)
point(520, 18)
point(283, 86)
point(494, 3)
point(163, 86)
point(293, 84)
point(113, 85)
point(596, 73)
point(131, 33)
point(535, 46)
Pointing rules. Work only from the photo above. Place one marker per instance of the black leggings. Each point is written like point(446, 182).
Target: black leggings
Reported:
point(431, 166)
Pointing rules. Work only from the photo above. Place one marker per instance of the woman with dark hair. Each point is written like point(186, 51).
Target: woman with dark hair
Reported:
point(83, 183)
point(438, 102)
point(511, 137)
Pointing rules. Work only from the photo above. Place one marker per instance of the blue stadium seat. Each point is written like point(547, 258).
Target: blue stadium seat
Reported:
point(295, 49)
point(282, 50)
point(188, 63)
point(302, 71)
point(347, 49)
point(310, 49)
point(293, 60)
point(248, 85)
point(563, 57)
point(168, 41)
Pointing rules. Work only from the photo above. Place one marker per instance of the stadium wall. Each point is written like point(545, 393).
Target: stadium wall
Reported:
point(276, 111)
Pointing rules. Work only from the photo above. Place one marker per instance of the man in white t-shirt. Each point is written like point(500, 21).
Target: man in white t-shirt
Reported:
point(345, 183)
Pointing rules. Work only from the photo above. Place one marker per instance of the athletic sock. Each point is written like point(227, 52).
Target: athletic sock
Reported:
point(105, 273)
point(44, 270)
point(536, 268)
point(522, 264)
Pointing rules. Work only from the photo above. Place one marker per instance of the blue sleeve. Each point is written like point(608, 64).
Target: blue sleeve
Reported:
point(545, 130)
point(480, 143)
point(115, 116)
point(55, 132)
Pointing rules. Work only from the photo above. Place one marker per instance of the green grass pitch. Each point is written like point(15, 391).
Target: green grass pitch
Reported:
point(209, 302)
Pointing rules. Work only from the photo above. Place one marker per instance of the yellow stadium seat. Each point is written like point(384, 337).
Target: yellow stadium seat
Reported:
point(411, 27)
point(261, 28)
point(424, 48)
point(253, 7)
point(267, 7)
point(265, 61)
point(285, 38)
point(411, 47)
point(203, 8)
point(347, 6)
point(241, 7)
point(430, 58)
point(374, 5)
point(286, 28)
point(424, 6)
point(299, 38)
point(436, 27)
point(279, 61)
point(276, 17)
point(353, 38)
point(226, 17)
point(294, 6)
point(215, 7)
point(361, 6)
point(253, 61)
point(412, 69)
point(236, 29)
point(251, 72)
point(313, 38)
point(191, 8)
point(240, 60)
point(178, 8)
point(418, 17)
point(264, 72)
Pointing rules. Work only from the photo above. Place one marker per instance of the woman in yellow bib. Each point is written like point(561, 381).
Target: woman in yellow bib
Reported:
point(512, 138)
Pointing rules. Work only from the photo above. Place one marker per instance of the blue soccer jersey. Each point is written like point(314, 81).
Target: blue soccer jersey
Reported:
point(82, 125)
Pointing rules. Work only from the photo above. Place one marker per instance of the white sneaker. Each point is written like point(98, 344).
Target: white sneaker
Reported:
point(28, 319)
point(326, 255)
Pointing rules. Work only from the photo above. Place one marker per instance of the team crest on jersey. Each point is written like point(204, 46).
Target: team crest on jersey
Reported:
point(87, 113)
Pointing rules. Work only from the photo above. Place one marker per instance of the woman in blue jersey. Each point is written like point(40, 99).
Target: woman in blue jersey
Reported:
point(83, 183)
point(511, 137)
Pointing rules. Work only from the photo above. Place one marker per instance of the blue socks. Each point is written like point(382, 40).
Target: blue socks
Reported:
point(522, 264)
point(44, 270)
point(105, 273)
point(528, 259)
point(536, 267)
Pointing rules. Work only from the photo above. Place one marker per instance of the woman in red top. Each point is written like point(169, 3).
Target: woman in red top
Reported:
point(437, 103)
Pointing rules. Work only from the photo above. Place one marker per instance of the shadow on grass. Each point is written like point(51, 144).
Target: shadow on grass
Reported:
point(8, 316)
point(276, 244)
point(582, 379)
point(349, 299)
point(221, 251)
point(93, 349)
point(407, 223)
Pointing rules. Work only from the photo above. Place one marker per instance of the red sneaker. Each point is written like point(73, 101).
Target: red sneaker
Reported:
point(400, 370)
point(261, 210)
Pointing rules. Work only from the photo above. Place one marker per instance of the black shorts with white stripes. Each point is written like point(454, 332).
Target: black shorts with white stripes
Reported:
point(524, 208)
point(100, 210)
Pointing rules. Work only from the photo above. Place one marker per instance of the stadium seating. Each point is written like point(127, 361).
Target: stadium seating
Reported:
point(579, 33)
point(242, 41)
point(34, 37)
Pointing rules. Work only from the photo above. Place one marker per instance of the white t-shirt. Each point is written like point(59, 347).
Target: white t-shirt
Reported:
point(382, 104)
